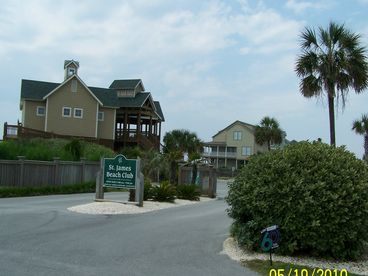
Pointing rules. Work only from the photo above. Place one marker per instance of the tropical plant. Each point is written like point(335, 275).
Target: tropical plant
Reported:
point(269, 132)
point(74, 147)
point(147, 192)
point(189, 192)
point(176, 143)
point(332, 62)
point(361, 127)
point(165, 192)
point(154, 164)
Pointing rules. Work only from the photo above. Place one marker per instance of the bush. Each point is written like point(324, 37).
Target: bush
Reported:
point(147, 193)
point(189, 192)
point(317, 194)
point(87, 187)
point(165, 192)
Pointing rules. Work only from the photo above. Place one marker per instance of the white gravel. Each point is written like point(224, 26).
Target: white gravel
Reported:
point(231, 248)
point(115, 208)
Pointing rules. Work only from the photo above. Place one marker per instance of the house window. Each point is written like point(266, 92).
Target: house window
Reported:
point(74, 85)
point(67, 112)
point(101, 116)
point(40, 111)
point(71, 71)
point(237, 135)
point(78, 113)
point(246, 151)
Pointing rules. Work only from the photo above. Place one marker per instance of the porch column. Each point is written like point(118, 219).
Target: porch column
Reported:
point(150, 126)
point(139, 130)
point(125, 128)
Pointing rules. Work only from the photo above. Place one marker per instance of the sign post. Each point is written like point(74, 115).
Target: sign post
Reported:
point(270, 237)
point(120, 172)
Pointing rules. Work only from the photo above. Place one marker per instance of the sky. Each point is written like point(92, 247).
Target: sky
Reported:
point(208, 62)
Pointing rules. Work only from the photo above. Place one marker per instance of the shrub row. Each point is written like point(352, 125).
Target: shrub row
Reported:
point(87, 187)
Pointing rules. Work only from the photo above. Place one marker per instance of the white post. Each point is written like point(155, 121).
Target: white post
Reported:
point(139, 184)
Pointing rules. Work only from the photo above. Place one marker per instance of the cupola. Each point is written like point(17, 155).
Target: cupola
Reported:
point(70, 68)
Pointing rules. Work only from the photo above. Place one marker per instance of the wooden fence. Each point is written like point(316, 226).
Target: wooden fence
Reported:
point(31, 173)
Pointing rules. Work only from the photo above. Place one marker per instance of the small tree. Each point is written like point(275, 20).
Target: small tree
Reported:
point(361, 127)
point(75, 149)
point(269, 132)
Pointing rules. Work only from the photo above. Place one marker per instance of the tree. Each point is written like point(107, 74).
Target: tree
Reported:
point(269, 132)
point(332, 63)
point(176, 143)
point(361, 127)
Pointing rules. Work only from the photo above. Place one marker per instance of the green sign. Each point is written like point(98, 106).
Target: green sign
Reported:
point(119, 172)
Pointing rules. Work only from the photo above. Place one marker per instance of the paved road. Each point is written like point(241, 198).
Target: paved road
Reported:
point(39, 236)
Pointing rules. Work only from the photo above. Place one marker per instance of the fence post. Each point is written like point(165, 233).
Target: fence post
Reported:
point(83, 168)
point(56, 170)
point(21, 168)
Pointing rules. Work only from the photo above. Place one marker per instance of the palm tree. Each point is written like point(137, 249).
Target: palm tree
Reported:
point(361, 127)
point(332, 62)
point(269, 132)
point(176, 143)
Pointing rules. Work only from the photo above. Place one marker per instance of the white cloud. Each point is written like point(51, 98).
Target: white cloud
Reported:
point(300, 6)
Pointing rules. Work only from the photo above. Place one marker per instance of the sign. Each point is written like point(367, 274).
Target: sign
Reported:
point(270, 237)
point(119, 172)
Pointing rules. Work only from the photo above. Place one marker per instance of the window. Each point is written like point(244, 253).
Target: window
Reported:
point(246, 151)
point(74, 85)
point(237, 135)
point(101, 116)
point(67, 112)
point(71, 71)
point(40, 111)
point(78, 113)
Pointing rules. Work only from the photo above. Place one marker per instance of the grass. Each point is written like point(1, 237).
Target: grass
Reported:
point(87, 187)
point(283, 269)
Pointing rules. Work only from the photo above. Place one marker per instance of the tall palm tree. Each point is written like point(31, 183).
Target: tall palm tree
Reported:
point(176, 143)
point(361, 127)
point(269, 132)
point(332, 63)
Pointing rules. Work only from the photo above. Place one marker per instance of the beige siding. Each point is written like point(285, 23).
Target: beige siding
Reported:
point(29, 115)
point(106, 127)
point(64, 97)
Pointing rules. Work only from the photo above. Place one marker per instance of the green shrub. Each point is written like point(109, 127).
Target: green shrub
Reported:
point(317, 194)
point(189, 192)
point(87, 187)
point(165, 192)
point(147, 193)
point(75, 149)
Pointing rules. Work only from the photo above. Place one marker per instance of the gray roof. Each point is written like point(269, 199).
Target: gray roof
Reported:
point(66, 62)
point(125, 84)
point(36, 90)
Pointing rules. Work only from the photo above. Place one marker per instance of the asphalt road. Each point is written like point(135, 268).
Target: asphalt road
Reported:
point(39, 236)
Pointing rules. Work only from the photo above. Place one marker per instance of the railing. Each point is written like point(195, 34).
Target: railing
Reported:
point(18, 131)
point(143, 139)
point(220, 154)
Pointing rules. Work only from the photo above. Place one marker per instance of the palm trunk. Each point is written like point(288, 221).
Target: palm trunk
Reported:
point(269, 145)
point(365, 157)
point(331, 111)
point(194, 173)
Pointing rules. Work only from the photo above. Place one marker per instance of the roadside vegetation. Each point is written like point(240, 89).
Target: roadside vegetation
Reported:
point(87, 187)
point(316, 193)
point(47, 149)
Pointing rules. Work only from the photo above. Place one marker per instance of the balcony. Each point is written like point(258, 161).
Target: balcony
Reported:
point(220, 154)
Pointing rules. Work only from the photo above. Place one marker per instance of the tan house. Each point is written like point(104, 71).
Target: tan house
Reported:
point(123, 114)
point(231, 147)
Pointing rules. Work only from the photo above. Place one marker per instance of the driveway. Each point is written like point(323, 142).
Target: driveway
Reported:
point(39, 236)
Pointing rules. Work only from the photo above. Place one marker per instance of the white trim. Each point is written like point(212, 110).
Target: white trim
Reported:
point(78, 109)
point(103, 116)
point(96, 131)
point(62, 112)
point(24, 112)
point(47, 107)
point(114, 128)
point(72, 61)
point(64, 82)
